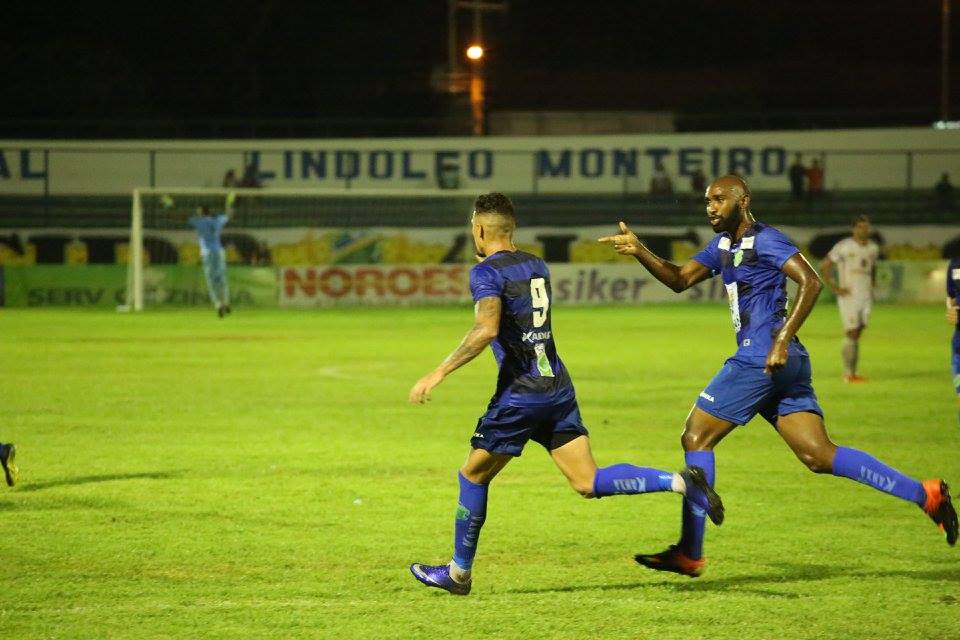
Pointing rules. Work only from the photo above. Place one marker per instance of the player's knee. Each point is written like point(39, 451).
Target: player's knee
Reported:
point(817, 461)
point(693, 440)
point(583, 486)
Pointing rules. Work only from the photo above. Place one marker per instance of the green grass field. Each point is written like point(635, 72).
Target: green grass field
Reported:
point(264, 477)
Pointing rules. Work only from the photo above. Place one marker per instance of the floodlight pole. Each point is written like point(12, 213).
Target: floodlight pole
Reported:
point(945, 62)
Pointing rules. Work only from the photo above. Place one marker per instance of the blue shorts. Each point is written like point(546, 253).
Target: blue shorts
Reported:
point(506, 429)
point(741, 390)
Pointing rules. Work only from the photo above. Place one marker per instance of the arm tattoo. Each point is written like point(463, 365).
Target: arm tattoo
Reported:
point(483, 332)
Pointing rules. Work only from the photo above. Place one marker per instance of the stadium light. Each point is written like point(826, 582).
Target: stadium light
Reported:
point(475, 52)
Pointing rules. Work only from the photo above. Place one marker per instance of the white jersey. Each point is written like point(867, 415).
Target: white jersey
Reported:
point(855, 263)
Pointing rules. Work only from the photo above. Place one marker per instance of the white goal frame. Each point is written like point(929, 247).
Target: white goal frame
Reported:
point(134, 292)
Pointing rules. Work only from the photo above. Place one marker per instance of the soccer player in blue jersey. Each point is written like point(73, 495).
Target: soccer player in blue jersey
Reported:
point(770, 372)
point(8, 455)
point(953, 306)
point(209, 226)
point(534, 398)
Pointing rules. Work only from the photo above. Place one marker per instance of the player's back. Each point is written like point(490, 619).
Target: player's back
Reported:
point(531, 371)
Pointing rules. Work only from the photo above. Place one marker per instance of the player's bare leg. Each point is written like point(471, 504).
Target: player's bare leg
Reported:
point(701, 433)
point(806, 434)
point(851, 355)
point(475, 475)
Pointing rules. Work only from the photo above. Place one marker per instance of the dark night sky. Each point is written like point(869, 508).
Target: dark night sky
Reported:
point(357, 58)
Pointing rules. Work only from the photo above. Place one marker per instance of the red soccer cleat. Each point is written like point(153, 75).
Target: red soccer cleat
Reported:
point(939, 507)
point(854, 379)
point(673, 560)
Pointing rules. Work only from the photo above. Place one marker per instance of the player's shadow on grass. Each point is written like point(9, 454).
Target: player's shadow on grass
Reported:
point(109, 477)
point(789, 573)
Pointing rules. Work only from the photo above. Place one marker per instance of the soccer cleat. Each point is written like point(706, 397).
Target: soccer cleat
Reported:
point(700, 493)
point(221, 311)
point(673, 560)
point(939, 507)
point(854, 379)
point(8, 460)
point(439, 576)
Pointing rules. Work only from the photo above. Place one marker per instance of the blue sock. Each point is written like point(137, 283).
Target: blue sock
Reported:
point(695, 518)
point(627, 479)
point(471, 512)
point(864, 468)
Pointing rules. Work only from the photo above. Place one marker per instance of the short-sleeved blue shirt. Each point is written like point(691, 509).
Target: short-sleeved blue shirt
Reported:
point(208, 231)
point(531, 372)
point(751, 269)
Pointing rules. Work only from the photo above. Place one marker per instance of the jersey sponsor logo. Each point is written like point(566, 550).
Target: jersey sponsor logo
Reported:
point(537, 336)
point(746, 342)
point(706, 396)
point(880, 481)
point(734, 296)
point(955, 274)
point(724, 244)
point(630, 485)
point(747, 242)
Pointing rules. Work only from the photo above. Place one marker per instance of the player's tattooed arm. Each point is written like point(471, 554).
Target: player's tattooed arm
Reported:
point(799, 270)
point(486, 325)
point(678, 278)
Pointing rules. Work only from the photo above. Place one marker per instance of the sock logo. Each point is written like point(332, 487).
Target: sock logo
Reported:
point(880, 481)
point(630, 485)
point(462, 512)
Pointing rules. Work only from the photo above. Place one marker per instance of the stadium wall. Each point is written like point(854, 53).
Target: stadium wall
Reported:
point(104, 286)
point(854, 159)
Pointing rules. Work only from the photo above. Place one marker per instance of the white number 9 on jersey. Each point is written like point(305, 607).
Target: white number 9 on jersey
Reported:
point(541, 303)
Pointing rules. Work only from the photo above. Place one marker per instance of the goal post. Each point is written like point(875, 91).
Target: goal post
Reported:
point(165, 211)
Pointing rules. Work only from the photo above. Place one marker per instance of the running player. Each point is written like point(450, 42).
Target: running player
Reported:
point(8, 461)
point(953, 306)
point(770, 372)
point(855, 259)
point(534, 398)
point(209, 226)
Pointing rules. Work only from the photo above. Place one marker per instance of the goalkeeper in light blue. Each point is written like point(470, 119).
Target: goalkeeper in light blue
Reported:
point(209, 227)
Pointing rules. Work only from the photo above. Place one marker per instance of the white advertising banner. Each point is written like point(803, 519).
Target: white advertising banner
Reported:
point(853, 159)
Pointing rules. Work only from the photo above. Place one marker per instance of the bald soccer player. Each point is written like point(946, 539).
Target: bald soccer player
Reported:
point(770, 372)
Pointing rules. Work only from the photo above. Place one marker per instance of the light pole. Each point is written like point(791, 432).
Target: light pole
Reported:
point(475, 55)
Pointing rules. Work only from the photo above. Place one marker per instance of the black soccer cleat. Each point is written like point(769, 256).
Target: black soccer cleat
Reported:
point(939, 507)
point(700, 493)
point(673, 560)
point(8, 460)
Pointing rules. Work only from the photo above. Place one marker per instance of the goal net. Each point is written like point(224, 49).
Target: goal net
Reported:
point(280, 227)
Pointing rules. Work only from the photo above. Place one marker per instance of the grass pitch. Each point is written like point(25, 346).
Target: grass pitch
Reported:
point(263, 477)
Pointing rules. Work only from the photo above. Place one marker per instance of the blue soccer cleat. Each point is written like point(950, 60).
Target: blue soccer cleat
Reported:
point(700, 493)
point(8, 460)
point(439, 576)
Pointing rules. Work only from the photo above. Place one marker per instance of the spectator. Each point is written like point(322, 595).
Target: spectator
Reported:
point(815, 180)
point(660, 183)
point(944, 191)
point(251, 179)
point(230, 179)
point(797, 174)
point(698, 182)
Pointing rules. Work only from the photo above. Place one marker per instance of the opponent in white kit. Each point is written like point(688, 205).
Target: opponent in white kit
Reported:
point(855, 259)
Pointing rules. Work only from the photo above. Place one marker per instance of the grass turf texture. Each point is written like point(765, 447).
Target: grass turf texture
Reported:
point(264, 477)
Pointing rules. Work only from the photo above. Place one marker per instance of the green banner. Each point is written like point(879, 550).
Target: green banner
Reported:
point(105, 286)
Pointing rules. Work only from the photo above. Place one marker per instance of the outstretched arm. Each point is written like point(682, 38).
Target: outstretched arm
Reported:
point(799, 270)
point(485, 328)
point(678, 278)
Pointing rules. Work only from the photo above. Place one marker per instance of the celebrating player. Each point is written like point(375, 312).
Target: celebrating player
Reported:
point(534, 398)
point(953, 307)
point(856, 261)
point(770, 372)
point(209, 227)
point(8, 455)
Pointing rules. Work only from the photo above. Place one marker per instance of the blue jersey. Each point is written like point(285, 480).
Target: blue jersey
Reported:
point(531, 372)
point(953, 280)
point(208, 230)
point(751, 269)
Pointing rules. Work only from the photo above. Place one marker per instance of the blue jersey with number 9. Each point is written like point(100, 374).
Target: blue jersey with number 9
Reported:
point(531, 372)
